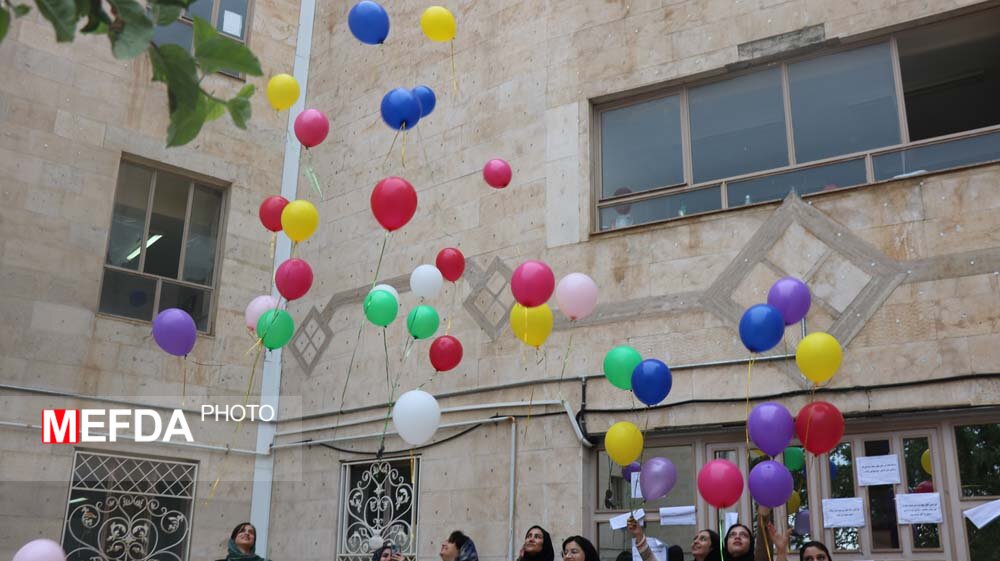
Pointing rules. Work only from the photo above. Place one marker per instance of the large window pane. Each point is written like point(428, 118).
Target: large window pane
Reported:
point(983, 542)
point(882, 502)
point(615, 491)
point(177, 33)
point(166, 225)
point(201, 8)
point(232, 17)
point(129, 218)
point(940, 156)
point(843, 103)
point(661, 208)
point(641, 147)
point(127, 295)
point(978, 448)
point(194, 301)
point(738, 126)
point(918, 480)
point(842, 487)
point(803, 181)
point(203, 235)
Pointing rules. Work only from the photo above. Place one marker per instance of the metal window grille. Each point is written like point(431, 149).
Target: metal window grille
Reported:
point(378, 505)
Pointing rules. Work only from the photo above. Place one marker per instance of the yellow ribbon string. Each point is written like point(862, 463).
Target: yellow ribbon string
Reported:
point(569, 348)
point(454, 75)
point(451, 307)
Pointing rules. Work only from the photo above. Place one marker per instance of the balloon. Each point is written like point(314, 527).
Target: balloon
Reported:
point(531, 325)
point(793, 503)
point(311, 127)
point(497, 173)
point(388, 288)
point(446, 353)
point(924, 487)
point(802, 524)
point(651, 381)
point(276, 328)
point(619, 364)
point(270, 212)
point(720, 483)
point(40, 550)
point(425, 281)
point(623, 442)
point(381, 307)
point(368, 22)
point(451, 263)
point(795, 458)
point(257, 307)
point(422, 322)
point(175, 331)
point(818, 356)
point(770, 483)
point(771, 427)
point(299, 220)
point(819, 426)
point(393, 201)
point(427, 100)
point(532, 283)
point(400, 109)
point(576, 295)
point(761, 328)
point(293, 278)
point(438, 24)
point(791, 297)
point(925, 462)
point(282, 91)
point(627, 471)
point(416, 416)
point(657, 478)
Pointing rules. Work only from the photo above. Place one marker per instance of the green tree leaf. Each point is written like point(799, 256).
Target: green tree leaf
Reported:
point(165, 14)
point(239, 106)
point(132, 31)
point(173, 65)
point(186, 122)
point(62, 15)
point(21, 10)
point(180, 3)
point(98, 21)
point(215, 52)
point(4, 22)
point(216, 109)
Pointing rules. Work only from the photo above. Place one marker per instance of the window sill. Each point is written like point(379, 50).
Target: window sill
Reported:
point(105, 315)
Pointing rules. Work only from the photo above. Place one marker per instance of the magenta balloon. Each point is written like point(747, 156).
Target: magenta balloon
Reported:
point(532, 283)
point(771, 427)
point(627, 471)
point(175, 331)
point(311, 127)
point(40, 550)
point(657, 478)
point(720, 483)
point(791, 297)
point(770, 483)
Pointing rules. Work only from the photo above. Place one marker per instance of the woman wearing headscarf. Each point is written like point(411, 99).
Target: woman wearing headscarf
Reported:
point(242, 544)
point(537, 546)
point(387, 553)
point(458, 547)
point(579, 548)
point(704, 546)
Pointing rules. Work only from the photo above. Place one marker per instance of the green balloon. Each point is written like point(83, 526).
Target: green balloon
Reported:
point(422, 322)
point(794, 458)
point(276, 328)
point(619, 364)
point(381, 307)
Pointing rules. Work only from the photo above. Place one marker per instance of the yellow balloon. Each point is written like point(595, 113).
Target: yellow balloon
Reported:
point(818, 356)
point(531, 325)
point(438, 24)
point(925, 462)
point(282, 91)
point(623, 442)
point(794, 502)
point(299, 220)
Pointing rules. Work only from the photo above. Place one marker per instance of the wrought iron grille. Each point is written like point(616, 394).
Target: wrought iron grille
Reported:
point(123, 508)
point(379, 505)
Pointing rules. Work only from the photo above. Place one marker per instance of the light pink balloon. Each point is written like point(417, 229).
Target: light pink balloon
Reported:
point(40, 550)
point(257, 307)
point(576, 295)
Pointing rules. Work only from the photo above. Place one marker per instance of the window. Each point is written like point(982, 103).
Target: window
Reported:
point(380, 502)
point(228, 16)
point(163, 246)
point(918, 101)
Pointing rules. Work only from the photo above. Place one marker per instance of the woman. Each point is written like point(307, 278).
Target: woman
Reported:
point(704, 546)
point(458, 547)
point(579, 548)
point(242, 543)
point(386, 553)
point(739, 544)
point(814, 551)
point(537, 546)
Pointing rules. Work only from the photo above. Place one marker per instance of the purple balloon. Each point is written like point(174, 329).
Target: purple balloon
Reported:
point(802, 524)
point(771, 483)
point(40, 550)
point(791, 297)
point(175, 331)
point(657, 478)
point(627, 471)
point(771, 427)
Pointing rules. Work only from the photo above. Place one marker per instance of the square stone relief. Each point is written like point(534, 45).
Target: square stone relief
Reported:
point(797, 251)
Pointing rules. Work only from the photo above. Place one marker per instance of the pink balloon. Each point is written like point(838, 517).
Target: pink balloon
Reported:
point(40, 550)
point(576, 295)
point(311, 127)
point(497, 173)
point(720, 483)
point(532, 283)
point(257, 307)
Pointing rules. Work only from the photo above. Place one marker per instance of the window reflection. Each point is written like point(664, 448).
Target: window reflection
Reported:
point(882, 504)
point(842, 487)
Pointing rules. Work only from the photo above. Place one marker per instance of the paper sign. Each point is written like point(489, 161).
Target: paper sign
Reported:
point(677, 516)
point(232, 23)
point(983, 514)
point(918, 508)
point(636, 491)
point(658, 548)
point(878, 470)
point(732, 518)
point(844, 513)
point(621, 521)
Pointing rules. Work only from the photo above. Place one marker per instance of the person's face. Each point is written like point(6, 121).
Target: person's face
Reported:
point(386, 554)
point(449, 551)
point(702, 544)
point(573, 552)
point(813, 553)
point(246, 537)
point(533, 541)
point(738, 540)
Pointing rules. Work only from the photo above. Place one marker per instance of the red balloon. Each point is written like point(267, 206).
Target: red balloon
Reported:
point(293, 278)
point(394, 201)
point(720, 483)
point(270, 212)
point(819, 427)
point(311, 127)
point(924, 487)
point(451, 263)
point(532, 284)
point(446, 353)
point(497, 173)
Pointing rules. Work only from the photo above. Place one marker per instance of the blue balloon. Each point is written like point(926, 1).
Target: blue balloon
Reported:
point(369, 22)
point(400, 108)
point(761, 328)
point(651, 381)
point(426, 98)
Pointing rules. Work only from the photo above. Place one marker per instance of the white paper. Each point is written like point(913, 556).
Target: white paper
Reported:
point(918, 508)
point(636, 491)
point(621, 521)
point(878, 470)
point(232, 23)
point(844, 513)
point(732, 518)
point(677, 516)
point(658, 548)
point(983, 514)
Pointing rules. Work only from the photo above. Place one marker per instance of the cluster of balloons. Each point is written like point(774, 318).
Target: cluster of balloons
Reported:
point(402, 109)
point(650, 379)
point(369, 23)
point(532, 284)
point(311, 126)
point(657, 476)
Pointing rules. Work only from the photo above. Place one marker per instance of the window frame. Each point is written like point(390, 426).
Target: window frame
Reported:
point(340, 552)
point(245, 41)
point(195, 179)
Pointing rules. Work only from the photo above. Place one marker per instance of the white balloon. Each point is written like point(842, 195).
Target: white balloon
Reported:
point(40, 550)
point(426, 281)
point(387, 288)
point(416, 416)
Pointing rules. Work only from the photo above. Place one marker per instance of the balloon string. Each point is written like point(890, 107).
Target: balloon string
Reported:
point(311, 174)
point(451, 307)
point(569, 349)
point(763, 531)
point(378, 266)
point(402, 148)
point(388, 409)
point(253, 371)
point(184, 377)
point(423, 147)
point(747, 428)
point(531, 396)
point(274, 241)
point(274, 317)
point(454, 75)
point(391, 146)
point(722, 539)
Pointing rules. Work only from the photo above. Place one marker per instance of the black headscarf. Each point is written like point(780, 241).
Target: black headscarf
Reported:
point(589, 551)
point(817, 545)
point(547, 553)
point(713, 554)
point(377, 552)
point(748, 556)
